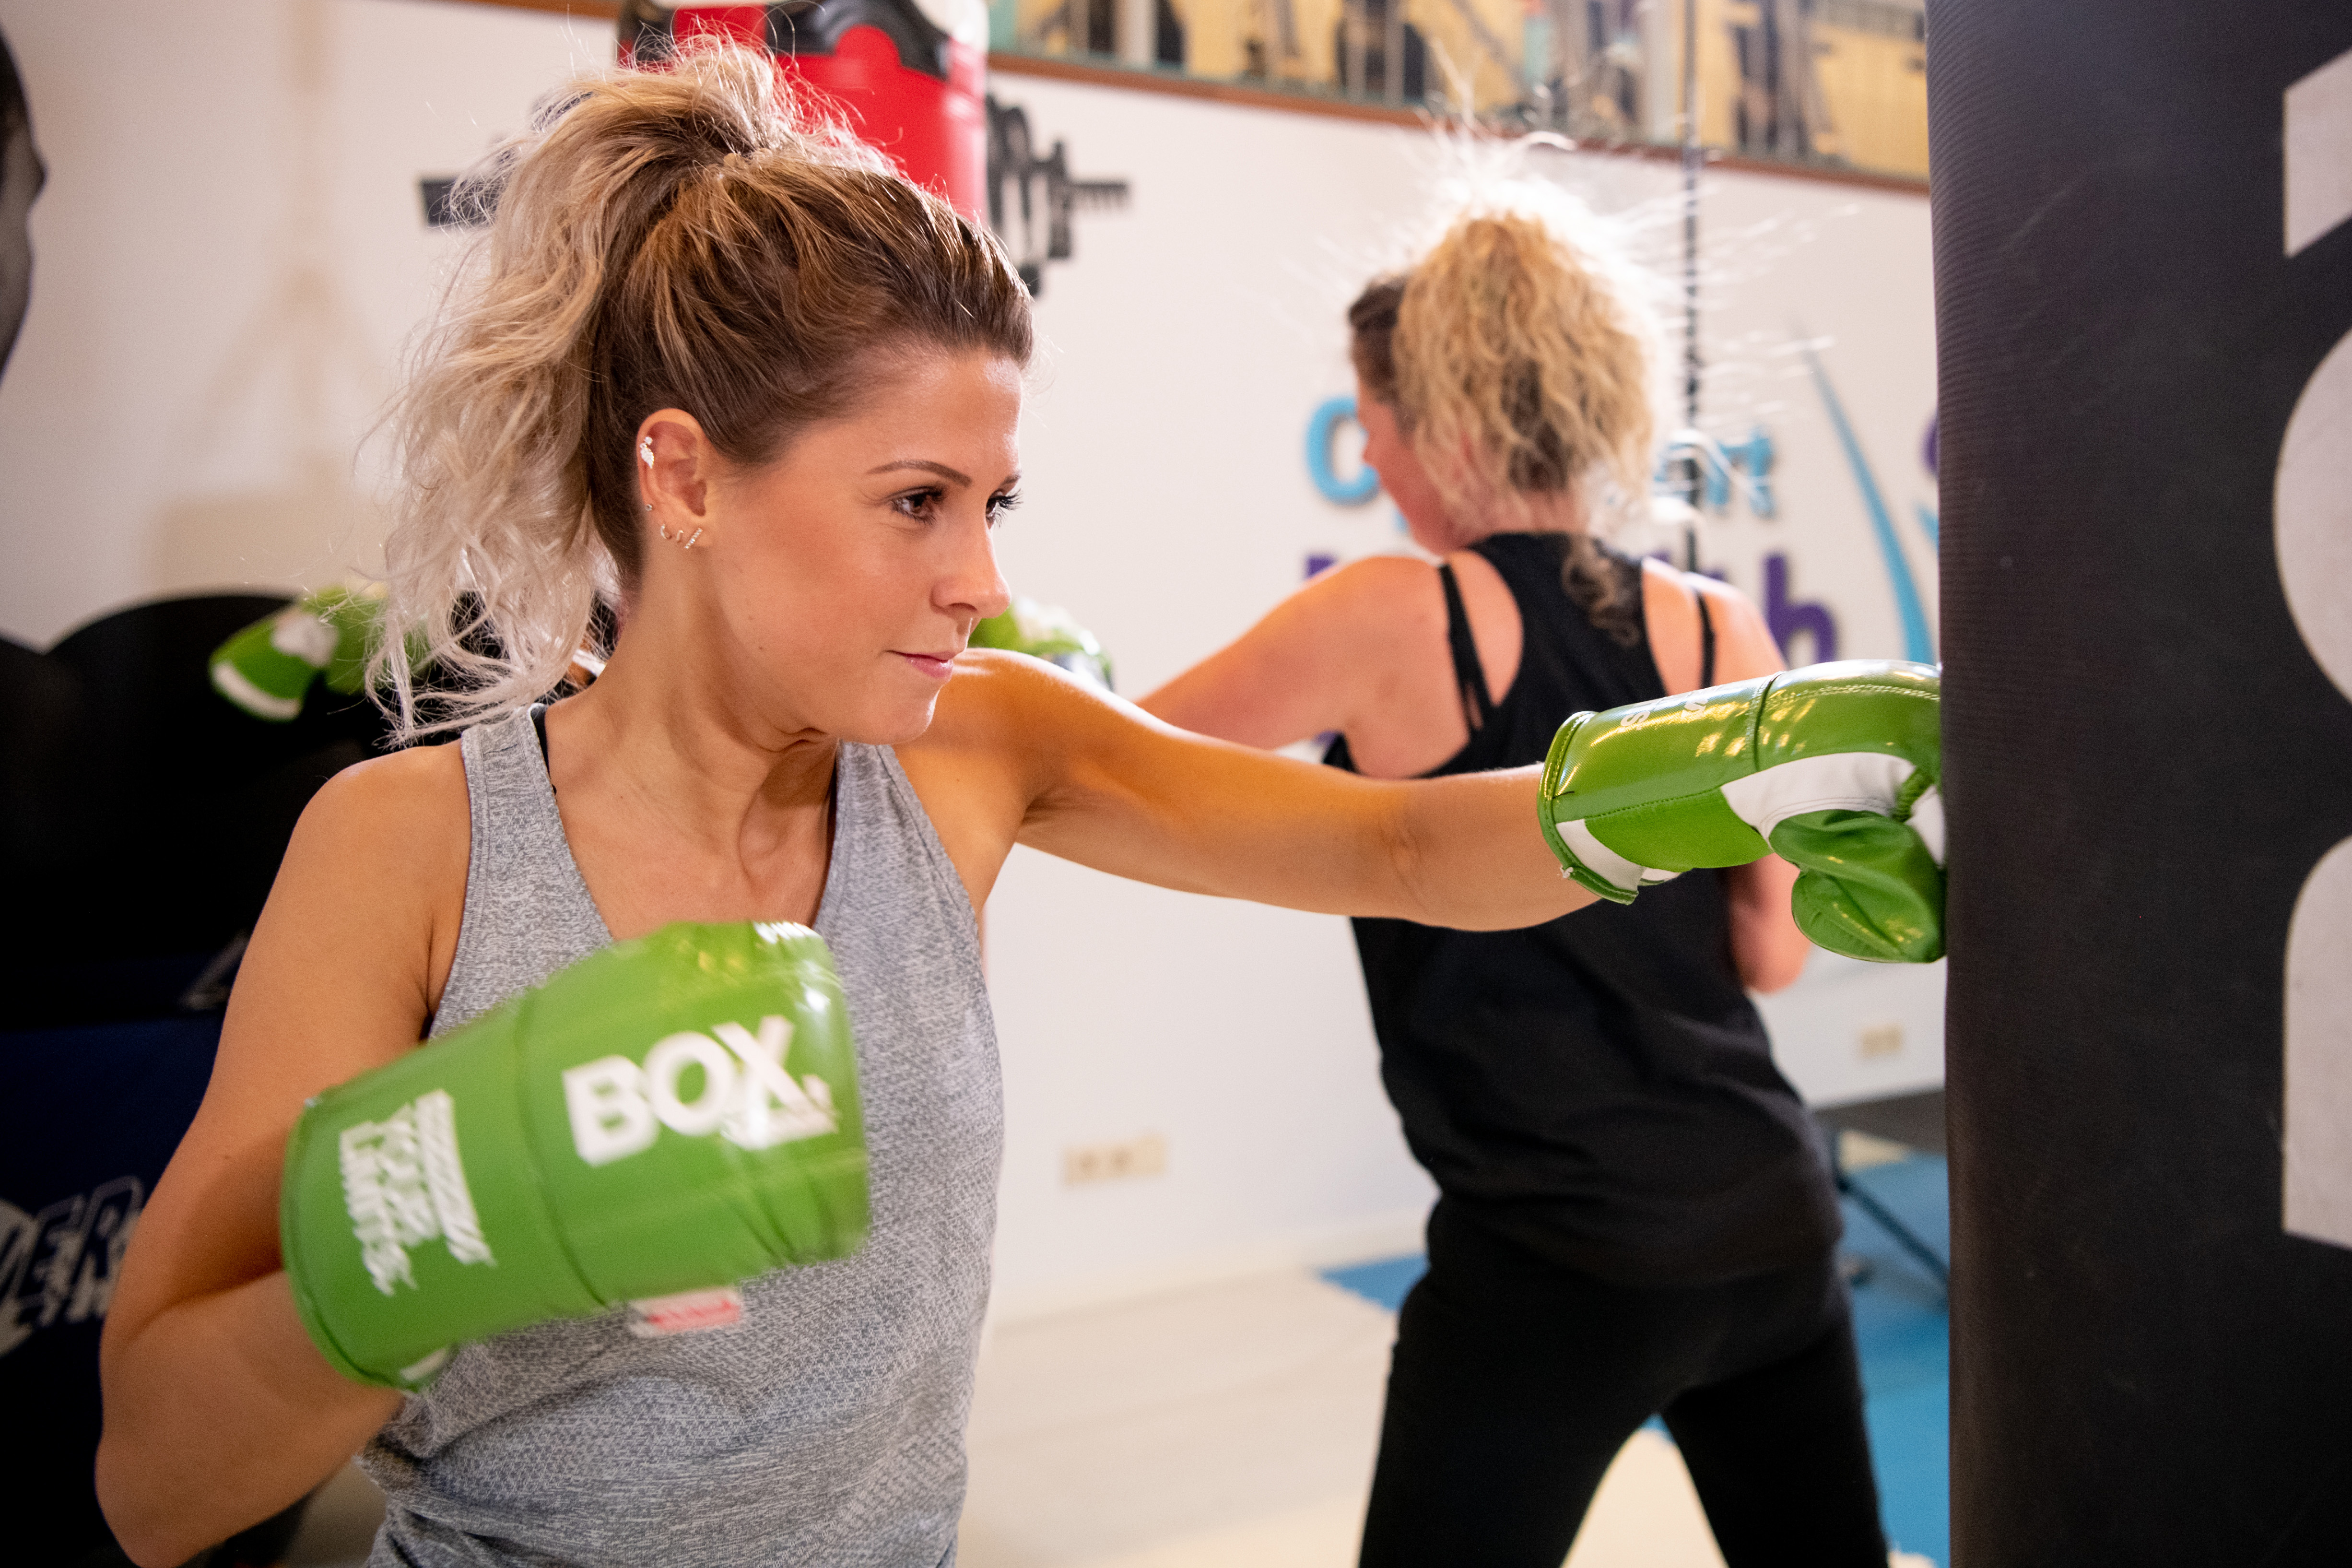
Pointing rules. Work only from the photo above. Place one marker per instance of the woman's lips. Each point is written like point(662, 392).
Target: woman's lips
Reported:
point(938, 666)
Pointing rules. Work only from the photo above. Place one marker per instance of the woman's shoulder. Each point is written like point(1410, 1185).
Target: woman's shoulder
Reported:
point(1378, 610)
point(1370, 594)
point(362, 919)
point(415, 782)
point(1673, 593)
point(1670, 602)
point(404, 816)
point(1375, 576)
point(1667, 588)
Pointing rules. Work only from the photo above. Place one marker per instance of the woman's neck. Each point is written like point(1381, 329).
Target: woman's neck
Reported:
point(696, 736)
point(683, 798)
point(1523, 511)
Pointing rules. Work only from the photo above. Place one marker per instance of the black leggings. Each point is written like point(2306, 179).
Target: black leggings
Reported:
point(1516, 1380)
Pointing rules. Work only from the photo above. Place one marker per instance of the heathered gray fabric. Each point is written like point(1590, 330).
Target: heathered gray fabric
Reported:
point(827, 1428)
point(527, 913)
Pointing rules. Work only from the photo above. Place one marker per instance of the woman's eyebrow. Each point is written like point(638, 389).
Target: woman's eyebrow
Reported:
point(942, 469)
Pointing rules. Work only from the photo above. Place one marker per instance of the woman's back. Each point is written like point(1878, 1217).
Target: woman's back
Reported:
point(825, 1425)
point(1597, 1087)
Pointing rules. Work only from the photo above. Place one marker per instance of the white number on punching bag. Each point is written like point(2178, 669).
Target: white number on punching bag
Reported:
point(2313, 508)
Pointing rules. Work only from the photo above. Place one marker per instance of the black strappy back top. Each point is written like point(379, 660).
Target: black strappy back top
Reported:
point(1598, 1089)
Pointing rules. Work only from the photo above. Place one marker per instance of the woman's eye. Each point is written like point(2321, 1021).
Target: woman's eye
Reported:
point(998, 505)
point(920, 503)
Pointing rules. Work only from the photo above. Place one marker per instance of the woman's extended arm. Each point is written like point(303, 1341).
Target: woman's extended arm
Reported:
point(1100, 782)
point(219, 1410)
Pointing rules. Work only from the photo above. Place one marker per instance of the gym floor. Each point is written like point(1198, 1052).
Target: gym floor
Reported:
point(1233, 1425)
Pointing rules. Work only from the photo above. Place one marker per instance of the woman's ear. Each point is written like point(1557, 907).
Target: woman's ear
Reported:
point(675, 465)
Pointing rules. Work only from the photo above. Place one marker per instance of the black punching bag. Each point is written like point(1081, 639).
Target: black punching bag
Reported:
point(2143, 231)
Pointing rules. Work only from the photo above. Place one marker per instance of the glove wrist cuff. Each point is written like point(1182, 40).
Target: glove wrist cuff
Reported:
point(1576, 866)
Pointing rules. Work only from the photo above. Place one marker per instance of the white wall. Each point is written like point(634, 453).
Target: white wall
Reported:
point(226, 258)
point(231, 252)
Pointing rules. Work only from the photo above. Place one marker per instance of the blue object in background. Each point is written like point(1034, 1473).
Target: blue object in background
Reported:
point(1718, 462)
point(1918, 644)
point(1321, 426)
point(1901, 1326)
point(88, 1117)
point(1383, 1283)
point(1755, 458)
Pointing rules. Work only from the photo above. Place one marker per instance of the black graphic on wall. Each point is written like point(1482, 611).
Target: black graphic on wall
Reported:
point(1031, 198)
point(21, 177)
point(441, 207)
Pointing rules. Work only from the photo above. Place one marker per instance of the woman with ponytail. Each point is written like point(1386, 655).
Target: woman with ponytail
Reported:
point(1633, 1216)
point(722, 382)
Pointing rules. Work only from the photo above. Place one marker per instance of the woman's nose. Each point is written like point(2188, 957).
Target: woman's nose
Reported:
point(973, 579)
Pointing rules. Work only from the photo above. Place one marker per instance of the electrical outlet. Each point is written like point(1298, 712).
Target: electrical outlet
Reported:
point(1880, 1040)
point(1142, 1156)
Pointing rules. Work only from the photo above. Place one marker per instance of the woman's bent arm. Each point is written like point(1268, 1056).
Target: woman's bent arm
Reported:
point(219, 1410)
point(220, 1413)
point(1767, 947)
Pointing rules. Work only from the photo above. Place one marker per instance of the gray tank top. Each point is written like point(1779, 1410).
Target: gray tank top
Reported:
point(826, 1427)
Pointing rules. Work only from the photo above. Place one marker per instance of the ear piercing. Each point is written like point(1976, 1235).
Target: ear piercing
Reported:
point(686, 540)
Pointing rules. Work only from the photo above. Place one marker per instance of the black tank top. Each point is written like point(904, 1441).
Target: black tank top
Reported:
point(1598, 1089)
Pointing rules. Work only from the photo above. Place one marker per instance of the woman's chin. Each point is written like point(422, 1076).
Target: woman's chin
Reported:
point(893, 723)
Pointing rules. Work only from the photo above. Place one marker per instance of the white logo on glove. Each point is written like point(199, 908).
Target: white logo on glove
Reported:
point(403, 1187)
point(304, 635)
point(619, 1108)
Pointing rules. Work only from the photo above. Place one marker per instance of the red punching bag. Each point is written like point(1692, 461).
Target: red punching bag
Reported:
point(910, 78)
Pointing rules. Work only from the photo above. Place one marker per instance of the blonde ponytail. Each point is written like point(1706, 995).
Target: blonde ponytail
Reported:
point(687, 237)
point(1520, 358)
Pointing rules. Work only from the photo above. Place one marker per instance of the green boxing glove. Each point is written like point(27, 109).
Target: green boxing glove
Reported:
point(267, 668)
point(669, 1115)
point(1833, 767)
point(1046, 632)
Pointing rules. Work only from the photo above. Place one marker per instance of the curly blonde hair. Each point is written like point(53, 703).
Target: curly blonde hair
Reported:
point(690, 236)
point(1520, 362)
